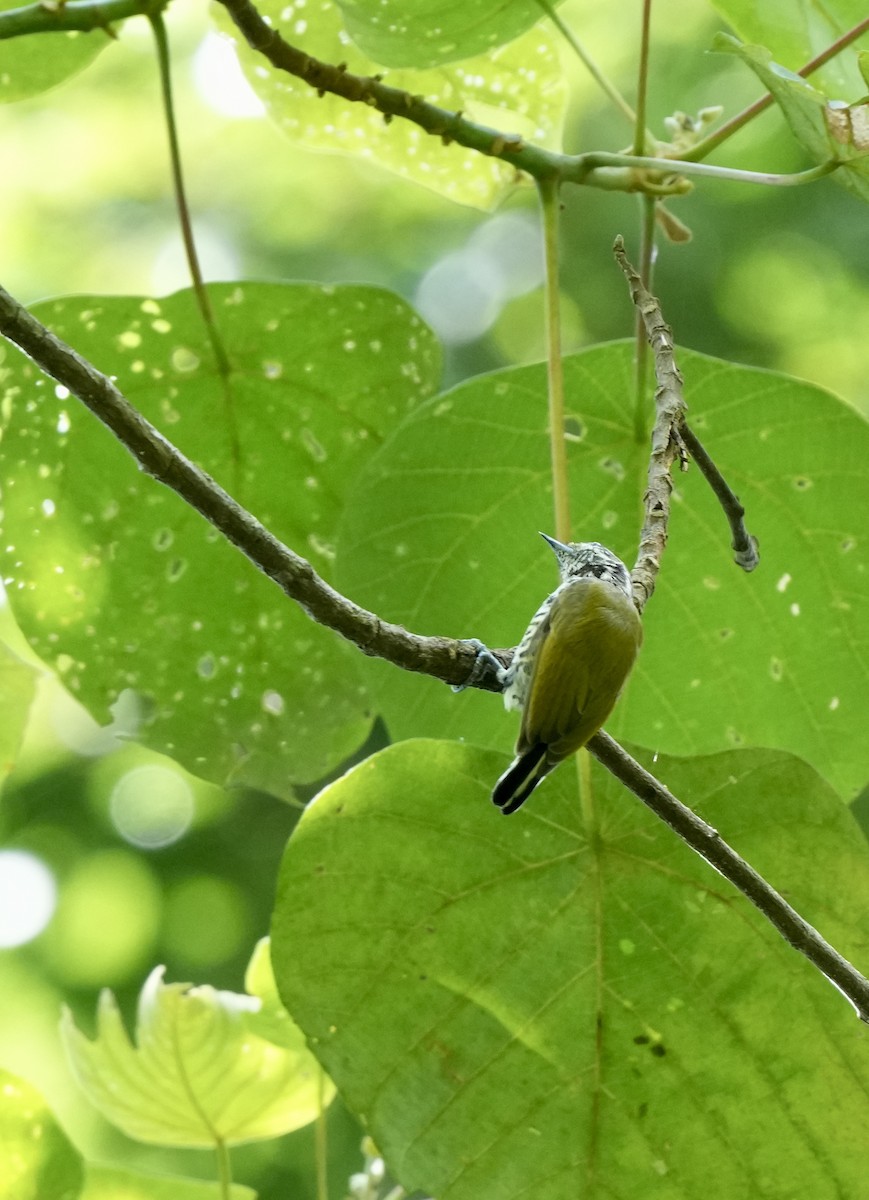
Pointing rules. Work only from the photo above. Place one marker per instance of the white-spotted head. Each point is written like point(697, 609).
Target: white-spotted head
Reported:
point(590, 560)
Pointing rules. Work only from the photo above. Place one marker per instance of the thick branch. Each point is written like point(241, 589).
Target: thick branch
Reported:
point(706, 842)
point(444, 658)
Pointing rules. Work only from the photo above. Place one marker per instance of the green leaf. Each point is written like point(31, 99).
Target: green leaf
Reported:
point(37, 1159)
point(119, 584)
point(35, 63)
point(18, 681)
point(518, 88)
point(518, 1009)
point(777, 658)
point(425, 33)
point(116, 1183)
point(797, 31)
point(272, 1021)
point(823, 127)
point(196, 1074)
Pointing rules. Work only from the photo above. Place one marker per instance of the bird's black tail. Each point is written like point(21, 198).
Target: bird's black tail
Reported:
point(520, 779)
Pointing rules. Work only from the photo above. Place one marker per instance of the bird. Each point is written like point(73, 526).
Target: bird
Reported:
point(570, 665)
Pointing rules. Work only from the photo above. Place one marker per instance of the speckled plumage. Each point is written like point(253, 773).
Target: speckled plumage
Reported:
point(570, 665)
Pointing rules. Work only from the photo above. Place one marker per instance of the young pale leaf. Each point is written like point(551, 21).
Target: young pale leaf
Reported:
point(518, 88)
point(196, 1073)
point(425, 33)
point(37, 1160)
point(828, 129)
point(116, 1183)
point(119, 584)
point(526, 1007)
point(776, 658)
point(17, 689)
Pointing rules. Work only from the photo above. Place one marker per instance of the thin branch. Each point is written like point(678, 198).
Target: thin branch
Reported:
point(446, 659)
point(672, 439)
point(706, 842)
point(714, 140)
point(746, 548)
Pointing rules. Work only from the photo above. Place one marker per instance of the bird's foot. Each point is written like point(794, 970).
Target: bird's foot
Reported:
point(484, 661)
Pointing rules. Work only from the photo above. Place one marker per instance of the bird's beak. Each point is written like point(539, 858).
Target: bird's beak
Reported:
point(558, 547)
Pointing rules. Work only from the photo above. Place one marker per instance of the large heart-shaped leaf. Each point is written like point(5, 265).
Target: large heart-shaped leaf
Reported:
point(569, 1003)
point(119, 584)
point(441, 535)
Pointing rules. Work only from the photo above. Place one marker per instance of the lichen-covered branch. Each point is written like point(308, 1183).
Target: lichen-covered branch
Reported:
point(673, 439)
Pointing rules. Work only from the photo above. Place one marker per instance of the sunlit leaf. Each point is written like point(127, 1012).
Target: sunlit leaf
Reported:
point(116, 1183)
point(30, 64)
point(17, 689)
point(776, 658)
point(424, 33)
point(272, 1021)
point(828, 128)
point(118, 584)
point(196, 1072)
point(518, 89)
point(37, 1160)
point(525, 1008)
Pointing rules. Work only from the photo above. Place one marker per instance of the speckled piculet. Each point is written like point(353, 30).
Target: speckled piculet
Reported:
point(570, 666)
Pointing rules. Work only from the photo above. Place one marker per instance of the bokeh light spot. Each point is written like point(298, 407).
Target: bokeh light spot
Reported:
point(28, 895)
point(151, 806)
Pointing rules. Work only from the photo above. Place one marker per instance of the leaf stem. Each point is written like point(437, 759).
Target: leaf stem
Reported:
point(588, 62)
point(550, 206)
point(321, 1157)
point(642, 80)
point(159, 27)
point(79, 16)
point(224, 1169)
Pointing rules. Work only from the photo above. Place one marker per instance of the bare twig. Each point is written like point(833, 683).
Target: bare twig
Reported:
point(746, 549)
point(444, 658)
point(707, 842)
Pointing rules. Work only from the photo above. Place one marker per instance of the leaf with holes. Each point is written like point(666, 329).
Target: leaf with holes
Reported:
point(518, 88)
point(425, 33)
point(440, 534)
point(519, 1008)
point(121, 585)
